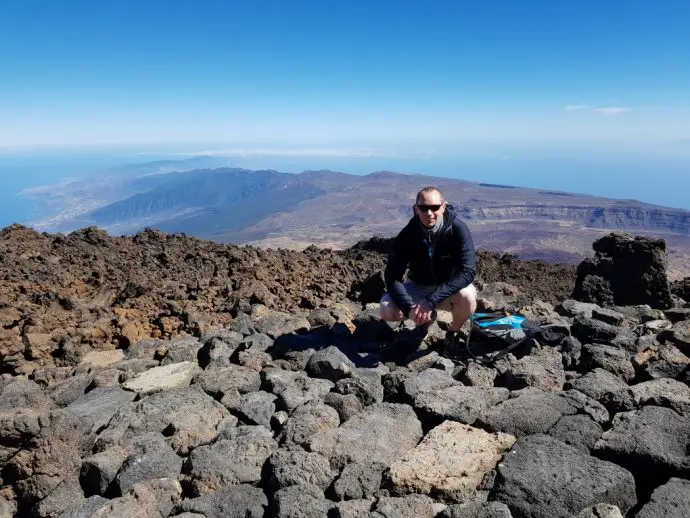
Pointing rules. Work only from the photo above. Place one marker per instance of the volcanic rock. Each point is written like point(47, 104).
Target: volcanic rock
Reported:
point(290, 467)
point(449, 463)
point(543, 477)
point(625, 271)
point(671, 500)
point(378, 434)
point(650, 442)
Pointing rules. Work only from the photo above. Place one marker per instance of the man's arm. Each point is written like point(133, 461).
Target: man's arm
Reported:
point(466, 266)
point(394, 272)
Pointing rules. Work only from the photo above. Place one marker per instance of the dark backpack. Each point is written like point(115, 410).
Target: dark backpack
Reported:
point(505, 331)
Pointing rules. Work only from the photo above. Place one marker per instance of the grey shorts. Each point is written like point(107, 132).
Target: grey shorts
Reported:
point(418, 292)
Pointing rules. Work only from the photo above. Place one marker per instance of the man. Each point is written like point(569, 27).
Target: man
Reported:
point(437, 248)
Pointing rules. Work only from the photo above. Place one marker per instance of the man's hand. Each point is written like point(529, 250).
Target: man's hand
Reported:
point(422, 312)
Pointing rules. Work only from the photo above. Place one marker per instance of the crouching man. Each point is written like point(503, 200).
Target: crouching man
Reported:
point(437, 248)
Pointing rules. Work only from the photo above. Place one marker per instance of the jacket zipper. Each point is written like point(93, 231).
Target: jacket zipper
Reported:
point(430, 250)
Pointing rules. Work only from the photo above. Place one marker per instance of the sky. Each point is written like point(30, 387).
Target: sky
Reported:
point(76, 73)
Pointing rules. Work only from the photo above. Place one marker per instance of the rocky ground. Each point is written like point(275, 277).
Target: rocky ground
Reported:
point(164, 376)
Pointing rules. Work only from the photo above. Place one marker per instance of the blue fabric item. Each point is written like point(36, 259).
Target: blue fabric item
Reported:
point(514, 321)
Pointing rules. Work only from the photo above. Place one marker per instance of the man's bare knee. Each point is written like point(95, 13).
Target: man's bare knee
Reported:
point(389, 311)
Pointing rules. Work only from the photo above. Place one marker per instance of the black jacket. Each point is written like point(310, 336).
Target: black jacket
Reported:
point(449, 262)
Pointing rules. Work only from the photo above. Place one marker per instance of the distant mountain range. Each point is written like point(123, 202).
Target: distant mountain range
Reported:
point(270, 208)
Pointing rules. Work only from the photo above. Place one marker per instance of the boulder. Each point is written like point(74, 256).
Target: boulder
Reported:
point(256, 408)
point(329, 363)
point(457, 403)
point(573, 308)
point(425, 381)
point(99, 471)
point(217, 347)
point(219, 379)
point(306, 420)
point(478, 375)
point(187, 416)
point(536, 412)
point(600, 511)
point(450, 462)
point(175, 375)
point(293, 388)
point(652, 443)
point(476, 510)
point(66, 497)
point(237, 457)
point(346, 405)
point(589, 330)
point(378, 434)
point(671, 500)
point(662, 361)
point(679, 335)
point(100, 405)
point(353, 509)
point(365, 384)
point(419, 506)
point(609, 358)
point(242, 501)
point(579, 431)
point(276, 323)
point(358, 481)
point(290, 467)
point(99, 360)
point(300, 501)
point(544, 477)
point(542, 368)
point(625, 271)
point(663, 387)
point(71, 389)
point(150, 457)
point(597, 383)
point(50, 458)
point(153, 498)
point(182, 350)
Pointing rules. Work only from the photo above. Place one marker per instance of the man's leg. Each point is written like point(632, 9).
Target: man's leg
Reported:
point(462, 305)
point(389, 311)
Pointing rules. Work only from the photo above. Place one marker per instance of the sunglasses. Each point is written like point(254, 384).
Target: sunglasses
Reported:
point(432, 208)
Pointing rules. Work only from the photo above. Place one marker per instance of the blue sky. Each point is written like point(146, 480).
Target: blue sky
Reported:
point(78, 72)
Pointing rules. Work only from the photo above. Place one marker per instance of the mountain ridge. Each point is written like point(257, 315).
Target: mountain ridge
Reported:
point(269, 208)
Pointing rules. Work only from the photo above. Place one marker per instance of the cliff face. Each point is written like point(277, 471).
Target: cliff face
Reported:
point(621, 217)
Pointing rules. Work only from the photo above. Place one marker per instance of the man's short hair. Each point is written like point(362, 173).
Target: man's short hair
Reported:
point(428, 189)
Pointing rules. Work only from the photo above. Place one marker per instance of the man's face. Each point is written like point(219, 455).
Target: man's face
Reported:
point(425, 206)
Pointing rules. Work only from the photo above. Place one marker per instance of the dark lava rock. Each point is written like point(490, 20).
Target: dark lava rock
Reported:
point(151, 458)
point(543, 477)
point(419, 506)
point(458, 403)
point(290, 467)
point(681, 288)
point(358, 481)
point(477, 510)
point(242, 501)
point(536, 412)
point(237, 457)
point(308, 419)
point(365, 384)
point(301, 501)
point(329, 363)
point(101, 404)
point(625, 271)
point(609, 358)
point(672, 500)
point(651, 442)
point(579, 431)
